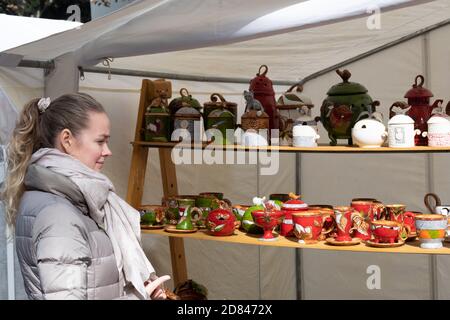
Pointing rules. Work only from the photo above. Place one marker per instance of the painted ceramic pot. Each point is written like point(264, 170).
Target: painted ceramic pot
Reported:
point(431, 230)
point(289, 208)
point(268, 220)
point(385, 231)
point(344, 222)
point(220, 222)
point(239, 211)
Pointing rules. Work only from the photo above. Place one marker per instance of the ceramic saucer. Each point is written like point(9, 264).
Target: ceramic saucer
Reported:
point(151, 227)
point(385, 245)
point(412, 236)
point(352, 242)
point(173, 229)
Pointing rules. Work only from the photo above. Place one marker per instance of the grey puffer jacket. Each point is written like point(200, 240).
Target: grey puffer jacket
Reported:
point(63, 253)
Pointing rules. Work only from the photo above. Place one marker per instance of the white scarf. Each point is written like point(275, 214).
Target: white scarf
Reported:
point(120, 221)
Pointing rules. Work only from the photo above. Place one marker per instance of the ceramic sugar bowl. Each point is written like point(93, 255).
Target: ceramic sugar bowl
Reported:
point(401, 130)
point(438, 131)
point(369, 133)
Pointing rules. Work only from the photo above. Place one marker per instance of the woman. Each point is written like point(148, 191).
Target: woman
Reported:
point(76, 239)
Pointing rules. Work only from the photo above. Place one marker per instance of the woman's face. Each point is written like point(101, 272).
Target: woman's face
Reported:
point(91, 144)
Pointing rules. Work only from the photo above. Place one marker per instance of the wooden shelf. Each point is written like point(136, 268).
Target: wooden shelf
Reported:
point(319, 149)
point(411, 247)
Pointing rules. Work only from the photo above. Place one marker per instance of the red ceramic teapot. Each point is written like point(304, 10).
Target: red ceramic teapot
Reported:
point(421, 110)
point(262, 89)
point(221, 222)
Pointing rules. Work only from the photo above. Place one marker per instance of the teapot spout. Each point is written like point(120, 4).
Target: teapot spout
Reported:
point(437, 104)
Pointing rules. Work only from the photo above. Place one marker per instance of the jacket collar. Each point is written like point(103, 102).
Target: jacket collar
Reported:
point(43, 179)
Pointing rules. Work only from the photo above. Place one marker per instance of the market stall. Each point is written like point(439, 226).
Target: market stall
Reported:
point(410, 41)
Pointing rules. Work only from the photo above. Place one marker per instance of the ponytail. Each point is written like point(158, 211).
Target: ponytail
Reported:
point(24, 142)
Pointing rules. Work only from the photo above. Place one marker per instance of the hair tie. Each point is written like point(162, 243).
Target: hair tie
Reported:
point(43, 104)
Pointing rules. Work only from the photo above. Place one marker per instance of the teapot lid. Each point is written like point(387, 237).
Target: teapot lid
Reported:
point(346, 87)
point(185, 100)
point(439, 119)
point(401, 119)
point(217, 100)
point(220, 113)
point(261, 84)
point(295, 204)
point(417, 90)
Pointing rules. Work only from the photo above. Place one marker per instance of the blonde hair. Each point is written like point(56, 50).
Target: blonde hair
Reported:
point(37, 130)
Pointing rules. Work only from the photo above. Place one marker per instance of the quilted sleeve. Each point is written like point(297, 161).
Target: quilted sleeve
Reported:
point(62, 252)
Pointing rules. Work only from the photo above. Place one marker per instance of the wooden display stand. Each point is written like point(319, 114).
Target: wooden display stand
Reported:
point(170, 188)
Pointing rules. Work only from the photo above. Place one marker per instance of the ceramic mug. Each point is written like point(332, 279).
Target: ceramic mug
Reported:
point(431, 229)
point(344, 222)
point(386, 231)
point(309, 225)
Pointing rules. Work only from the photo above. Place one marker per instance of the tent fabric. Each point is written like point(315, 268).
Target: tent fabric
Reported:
point(181, 25)
point(27, 29)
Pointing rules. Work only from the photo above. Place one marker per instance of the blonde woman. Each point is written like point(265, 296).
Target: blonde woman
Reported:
point(75, 238)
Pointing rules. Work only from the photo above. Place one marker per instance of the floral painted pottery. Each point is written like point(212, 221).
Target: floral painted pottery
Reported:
point(409, 219)
point(344, 222)
point(431, 230)
point(308, 225)
point(248, 223)
point(421, 110)
point(289, 208)
point(369, 133)
point(220, 121)
point(268, 220)
point(401, 130)
point(152, 215)
point(438, 131)
point(385, 231)
point(220, 222)
point(172, 211)
point(341, 109)
point(329, 223)
point(262, 89)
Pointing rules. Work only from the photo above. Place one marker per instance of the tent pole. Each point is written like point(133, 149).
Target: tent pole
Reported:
point(298, 252)
point(174, 76)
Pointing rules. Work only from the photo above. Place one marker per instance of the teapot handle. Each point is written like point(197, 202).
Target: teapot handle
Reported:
point(427, 199)
point(422, 80)
point(447, 108)
point(265, 72)
point(398, 104)
point(184, 92)
point(214, 97)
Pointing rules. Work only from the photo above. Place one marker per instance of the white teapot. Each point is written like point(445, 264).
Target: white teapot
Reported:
point(370, 132)
point(438, 131)
point(304, 133)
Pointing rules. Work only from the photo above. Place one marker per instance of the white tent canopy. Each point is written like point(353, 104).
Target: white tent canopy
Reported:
point(202, 38)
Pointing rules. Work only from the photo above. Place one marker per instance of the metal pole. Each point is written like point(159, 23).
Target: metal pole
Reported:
point(298, 252)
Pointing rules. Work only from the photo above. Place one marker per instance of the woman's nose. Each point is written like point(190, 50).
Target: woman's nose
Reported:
point(106, 151)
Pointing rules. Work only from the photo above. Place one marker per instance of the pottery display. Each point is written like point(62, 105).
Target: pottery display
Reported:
point(431, 230)
point(262, 90)
point(189, 218)
point(268, 220)
point(238, 211)
point(218, 102)
point(220, 222)
point(421, 110)
point(401, 132)
point(342, 107)
point(152, 215)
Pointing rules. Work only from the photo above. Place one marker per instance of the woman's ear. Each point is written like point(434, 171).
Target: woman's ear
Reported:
point(66, 140)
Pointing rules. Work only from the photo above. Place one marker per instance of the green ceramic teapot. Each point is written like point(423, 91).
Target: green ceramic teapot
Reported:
point(341, 109)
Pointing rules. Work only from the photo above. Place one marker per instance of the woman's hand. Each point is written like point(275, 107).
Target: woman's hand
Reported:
point(155, 289)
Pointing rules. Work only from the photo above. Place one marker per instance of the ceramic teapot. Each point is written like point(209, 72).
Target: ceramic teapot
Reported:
point(438, 133)
point(401, 130)
point(371, 132)
point(342, 107)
